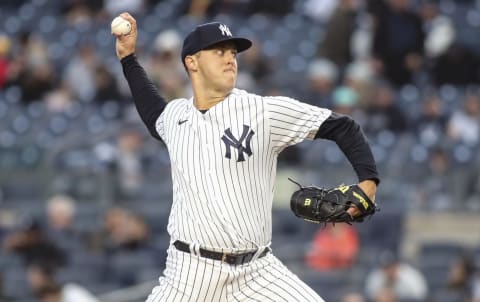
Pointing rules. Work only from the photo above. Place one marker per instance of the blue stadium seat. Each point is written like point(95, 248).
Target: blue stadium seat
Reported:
point(124, 266)
point(440, 252)
point(15, 283)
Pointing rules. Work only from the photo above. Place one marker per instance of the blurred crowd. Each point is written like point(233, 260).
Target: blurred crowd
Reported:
point(401, 68)
point(61, 260)
point(407, 70)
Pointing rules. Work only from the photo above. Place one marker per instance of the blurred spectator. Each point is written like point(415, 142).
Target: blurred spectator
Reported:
point(472, 190)
point(164, 65)
point(464, 125)
point(383, 113)
point(336, 45)
point(322, 75)
point(106, 88)
point(210, 8)
point(439, 29)
point(122, 231)
point(254, 63)
point(457, 66)
point(13, 3)
point(133, 234)
point(197, 8)
point(32, 245)
point(278, 7)
point(333, 247)
point(377, 8)
point(8, 220)
point(352, 297)
point(129, 164)
point(397, 277)
point(431, 124)
point(437, 184)
point(398, 42)
point(80, 12)
point(31, 68)
point(345, 101)
point(46, 288)
point(125, 239)
point(461, 278)
point(112, 220)
point(359, 76)
point(387, 294)
point(79, 74)
point(61, 210)
point(5, 46)
point(116, 7)
point(320, 10)
point(476, 287)
point(59, 99)
point(37, 83)
point(60, 213)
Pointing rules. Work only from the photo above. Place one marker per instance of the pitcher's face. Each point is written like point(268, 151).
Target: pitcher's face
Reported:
point(217, 66)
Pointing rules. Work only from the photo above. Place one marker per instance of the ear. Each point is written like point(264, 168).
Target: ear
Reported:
point(191, 63)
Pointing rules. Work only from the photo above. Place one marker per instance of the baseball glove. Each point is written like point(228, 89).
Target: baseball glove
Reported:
point(330, 205)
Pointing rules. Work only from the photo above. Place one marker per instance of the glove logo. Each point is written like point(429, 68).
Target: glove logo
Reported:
point(307, 202)
point(343, 188)
point(361, 199)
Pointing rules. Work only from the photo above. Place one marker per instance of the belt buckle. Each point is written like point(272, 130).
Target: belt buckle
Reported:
point(224, 256)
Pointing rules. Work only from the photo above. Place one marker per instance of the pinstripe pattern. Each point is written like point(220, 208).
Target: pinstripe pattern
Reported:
point(191, 278)
point(223, 191)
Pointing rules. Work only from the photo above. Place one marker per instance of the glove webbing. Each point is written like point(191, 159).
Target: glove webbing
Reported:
point(322, 200)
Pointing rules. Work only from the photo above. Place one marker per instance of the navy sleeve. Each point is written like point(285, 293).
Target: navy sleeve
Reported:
point(348, 135)
point(149, 103)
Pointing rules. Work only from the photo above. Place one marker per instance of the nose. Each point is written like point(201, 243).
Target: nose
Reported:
point(230, 57)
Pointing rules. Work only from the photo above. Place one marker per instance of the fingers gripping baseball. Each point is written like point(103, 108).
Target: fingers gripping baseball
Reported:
point(126, 43)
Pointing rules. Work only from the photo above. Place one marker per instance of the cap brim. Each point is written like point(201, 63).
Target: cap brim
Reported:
point(242, 44)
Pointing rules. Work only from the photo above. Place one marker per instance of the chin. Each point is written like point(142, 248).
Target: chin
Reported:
point(229, 85)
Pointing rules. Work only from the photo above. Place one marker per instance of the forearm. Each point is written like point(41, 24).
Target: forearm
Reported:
point(349, 137)
point(149, 103)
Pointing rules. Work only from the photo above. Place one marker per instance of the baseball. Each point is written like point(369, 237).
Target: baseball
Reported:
point(120, 26)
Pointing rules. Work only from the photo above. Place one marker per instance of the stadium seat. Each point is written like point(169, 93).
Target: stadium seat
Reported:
point(433, 253)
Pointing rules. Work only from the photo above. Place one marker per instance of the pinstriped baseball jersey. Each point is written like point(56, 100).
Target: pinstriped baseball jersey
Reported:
point(224, 165)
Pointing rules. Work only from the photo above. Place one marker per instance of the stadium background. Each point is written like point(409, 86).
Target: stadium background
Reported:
point(71, 141)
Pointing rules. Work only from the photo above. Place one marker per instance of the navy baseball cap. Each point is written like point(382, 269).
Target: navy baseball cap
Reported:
point(208, 34)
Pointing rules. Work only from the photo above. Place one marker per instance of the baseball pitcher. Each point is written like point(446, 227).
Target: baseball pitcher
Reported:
point(223, 144)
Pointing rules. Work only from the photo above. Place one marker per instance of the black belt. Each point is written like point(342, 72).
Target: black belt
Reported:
point(233, 259)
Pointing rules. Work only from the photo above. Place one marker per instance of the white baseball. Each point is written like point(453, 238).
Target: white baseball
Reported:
point(120, 26)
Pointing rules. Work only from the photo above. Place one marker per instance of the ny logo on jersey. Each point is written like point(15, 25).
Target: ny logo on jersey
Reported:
point(232, 141)
point(225, 30)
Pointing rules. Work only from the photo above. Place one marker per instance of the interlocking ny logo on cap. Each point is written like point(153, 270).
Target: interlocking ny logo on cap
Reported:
point(225, 30)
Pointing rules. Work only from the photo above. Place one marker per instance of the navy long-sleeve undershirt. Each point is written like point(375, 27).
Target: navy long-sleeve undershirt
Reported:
point(348, 135)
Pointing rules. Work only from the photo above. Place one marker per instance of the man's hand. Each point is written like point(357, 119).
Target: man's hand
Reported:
point(125, 44)
point(370, 188)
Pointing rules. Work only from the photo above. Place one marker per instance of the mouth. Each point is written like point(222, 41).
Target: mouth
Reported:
point(229, 70)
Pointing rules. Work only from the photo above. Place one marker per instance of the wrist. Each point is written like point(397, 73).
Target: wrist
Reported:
point(369, 187)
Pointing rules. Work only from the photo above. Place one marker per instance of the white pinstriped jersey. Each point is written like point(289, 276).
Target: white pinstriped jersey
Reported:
point(224, 165)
